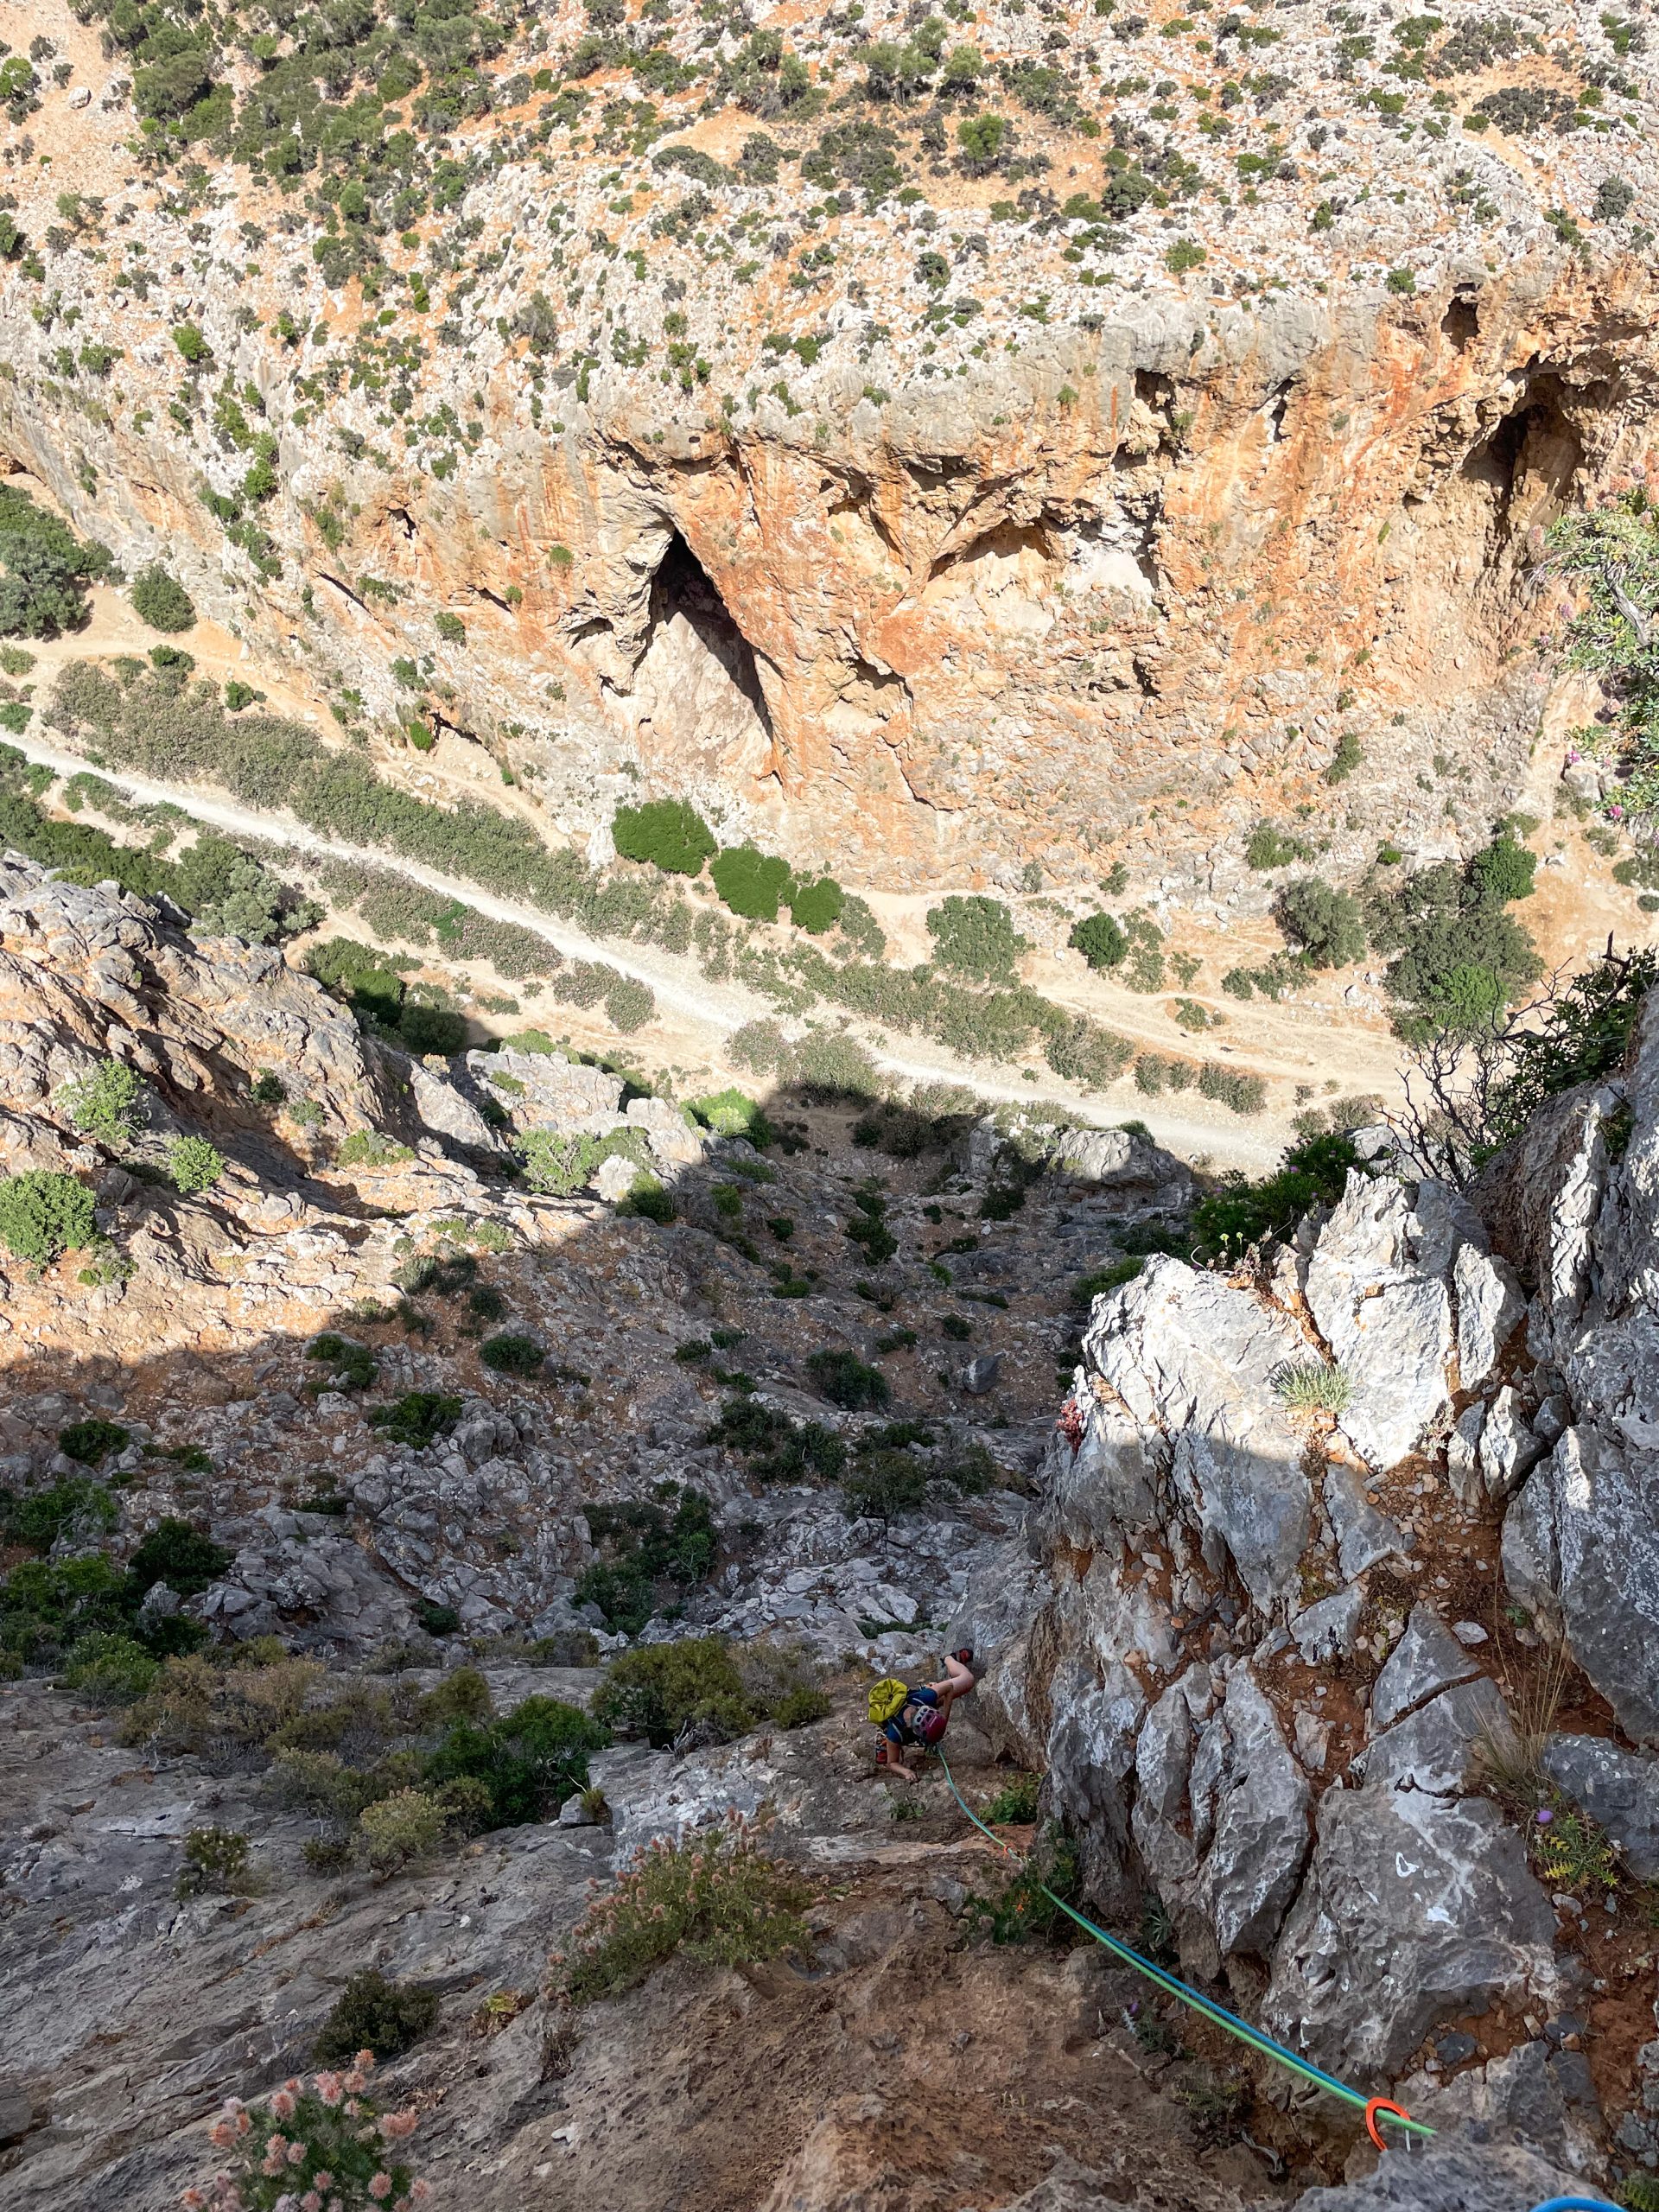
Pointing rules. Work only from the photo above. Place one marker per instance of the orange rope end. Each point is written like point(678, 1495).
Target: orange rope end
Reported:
point(1376, 2106)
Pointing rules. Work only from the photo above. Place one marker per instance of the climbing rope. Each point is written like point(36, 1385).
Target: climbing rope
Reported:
point(1374, 2108)
point(1575, 2204)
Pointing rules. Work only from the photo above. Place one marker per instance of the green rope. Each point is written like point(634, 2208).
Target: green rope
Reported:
point(1174, 1987)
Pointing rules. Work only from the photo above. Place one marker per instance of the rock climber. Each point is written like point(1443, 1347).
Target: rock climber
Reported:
point(917, 1717)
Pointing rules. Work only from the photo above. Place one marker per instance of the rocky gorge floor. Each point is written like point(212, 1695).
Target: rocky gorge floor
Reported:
point(1248, 1669)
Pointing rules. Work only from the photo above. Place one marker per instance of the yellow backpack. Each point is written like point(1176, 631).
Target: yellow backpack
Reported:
point(887, 1699)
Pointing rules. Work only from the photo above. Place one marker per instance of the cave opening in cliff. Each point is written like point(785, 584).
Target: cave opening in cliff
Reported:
point(697, 684)
point(1527, 467)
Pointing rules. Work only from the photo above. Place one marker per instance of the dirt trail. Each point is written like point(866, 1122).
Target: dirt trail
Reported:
point(712, 1010)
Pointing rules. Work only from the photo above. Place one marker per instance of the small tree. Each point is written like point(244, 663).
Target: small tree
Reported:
point(816, 905)
point(1099, 939)
point(974, 936)
point(108, 1104)
point(667, 832)
point(750, 882)
point(981, 138)
point(1328, 923)
point(43, 1215)
point(194, 1165)
point(161, 602)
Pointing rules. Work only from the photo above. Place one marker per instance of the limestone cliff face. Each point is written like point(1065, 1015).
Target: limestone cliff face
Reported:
point(1030, 572)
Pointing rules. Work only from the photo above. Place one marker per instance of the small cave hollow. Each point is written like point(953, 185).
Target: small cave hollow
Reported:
point(1527, 467)
point(1460, 324)
point(697, 683)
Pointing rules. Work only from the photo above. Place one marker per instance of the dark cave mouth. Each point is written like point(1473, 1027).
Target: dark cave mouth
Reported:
point(682, 587)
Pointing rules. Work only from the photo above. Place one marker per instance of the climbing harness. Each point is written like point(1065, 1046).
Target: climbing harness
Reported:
point(1373, 2107)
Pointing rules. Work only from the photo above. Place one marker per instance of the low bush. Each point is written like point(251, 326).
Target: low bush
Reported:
point(651, 1551)
point(402, 1828)
point(215, 1860)
point(1329, 924)
point(666, 832)
point(509, 1354)
point(108, 1104)
point(77, 1505)
point(43, 1215)
point(352, 1366)
point(431, 1029)
point(374, 2013)
point(729, 1113)
point(91, 1441)
point(1015, 1803)
point(656, 1692)
point(847, 1382)
point(751, 883)
point(1100, 941)
point(194, 1165)
point(717, 1897)
point(330, 2139)
point(816, 905)
point(1022, 1912)
point(416, 1419)
point(161, 602)
point(524, 1764)
point(975, 937)
point(111, 1669)
point(1314, 1172)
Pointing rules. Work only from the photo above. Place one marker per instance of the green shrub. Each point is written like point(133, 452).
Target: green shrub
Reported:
point(1085, 1054)
point(975, 937)
point(432, 1029)
point(648, 1200)
point(179, 1555)
point(816, 905)
point(1269, 847)
point(751, 883)
point(352, 1365)
point(666, 832)
point(91, 1441)
point(108, 1104)
point(1100, 940)
point(1311, 1172)
point(111, 1669)
point(1329, 924)
point(660, 1689)
point(1504, 871)
point(47, 568)
point(194, 1165)
point(648, 1555)
point(729, 1113)
point(39, 1517)
point(449, 628)
point(527, 1762)
point(161, 602)
point(1016, 1804)
point(1238, 1093)
point(374, 2013)
point(417, 1419)
point(1460, 956)
point(215, 1859)
point(508, 1354)
point(847, 1382)
point(717, 1897)
point(1022, 1912)
point(43, 1215)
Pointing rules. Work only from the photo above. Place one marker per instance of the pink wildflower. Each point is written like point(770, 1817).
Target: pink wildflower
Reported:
point(420, 2191)
point(281, 2105)
point(328, 2089)
point(380, 2187)
point(323, 2180)
point(396, 2125)
point(296, 2154)
point(310, 2201)
point(365, 2062)
point(193, 2199)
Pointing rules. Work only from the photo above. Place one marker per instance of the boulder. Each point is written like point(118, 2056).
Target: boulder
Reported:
point(1458, 2171)
point(1195, 1359)
point(1581, 1549)
point(1414, 1906)
point(1426, 1659)
point(1249, 1804)
point(440, 1107)
point(1364, 1535)
point(1387, 1322)
point(1489, 1310)
point(1618, 1790)
point(1326, 1630)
